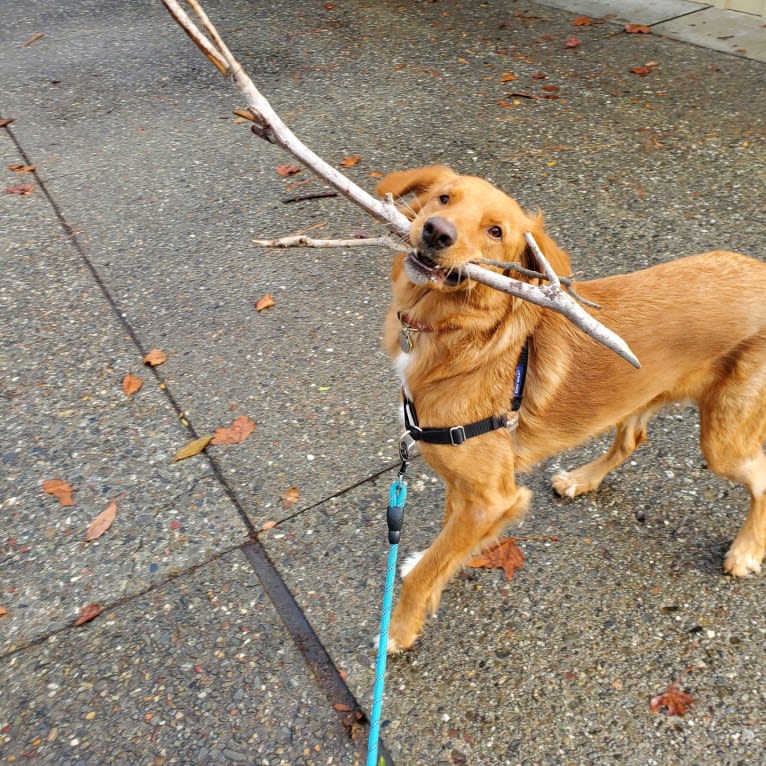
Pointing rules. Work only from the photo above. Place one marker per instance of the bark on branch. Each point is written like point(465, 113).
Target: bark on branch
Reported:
point(268, 125)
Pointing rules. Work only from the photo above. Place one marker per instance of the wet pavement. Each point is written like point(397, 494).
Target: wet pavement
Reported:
point(236, 626)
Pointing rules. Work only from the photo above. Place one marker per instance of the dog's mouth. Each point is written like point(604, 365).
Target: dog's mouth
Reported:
point(421, 269)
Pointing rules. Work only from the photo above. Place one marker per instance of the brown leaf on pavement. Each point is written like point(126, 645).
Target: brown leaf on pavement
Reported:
point(131, 384)
point(637, 29)
point(265, 302)
point(35, 37)
point(193, 448)
point(237, 432)
point(60, 490)
point(582, 21)
point(102, 522)
point(349, 162)
point(676, 701)
point(155, 357)
point(88, 613)
point(288, 170)
point(6, 121)
point(506, 555)
point(3, 611)
point(20, 167)
point(23, 190)
point(508, 77)
point(290, 497)
point(572, 42)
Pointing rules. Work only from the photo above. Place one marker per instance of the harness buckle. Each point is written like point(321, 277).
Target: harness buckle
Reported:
point(457, 435)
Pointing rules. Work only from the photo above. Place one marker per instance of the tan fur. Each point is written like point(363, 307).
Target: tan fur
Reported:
point(698, 326)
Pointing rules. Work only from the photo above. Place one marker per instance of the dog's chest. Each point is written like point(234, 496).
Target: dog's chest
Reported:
point(402, 363)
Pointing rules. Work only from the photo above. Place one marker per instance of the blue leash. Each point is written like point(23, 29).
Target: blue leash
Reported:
point(394, 518)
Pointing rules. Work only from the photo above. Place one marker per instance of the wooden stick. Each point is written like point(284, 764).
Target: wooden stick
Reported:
point(268, 125)
point(301, 240)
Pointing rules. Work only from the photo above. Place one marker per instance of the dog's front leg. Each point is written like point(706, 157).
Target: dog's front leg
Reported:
point(469, 524)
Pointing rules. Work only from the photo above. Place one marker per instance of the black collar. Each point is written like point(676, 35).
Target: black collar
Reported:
point(458, 434)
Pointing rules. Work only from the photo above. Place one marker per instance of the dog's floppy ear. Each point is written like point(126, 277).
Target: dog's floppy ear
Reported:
point(416, 181)
point(557, 258)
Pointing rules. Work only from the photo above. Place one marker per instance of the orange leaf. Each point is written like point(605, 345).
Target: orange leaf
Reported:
point(23, 189)
point(676, 701)
point(19, 167)
point(506, 555)
point(267, 525)
point(265, 302)
point(572, 42)
point(60, 490)
point(288, 170)
point(155, 357)
point(3, 611)
point(642, 71)
point(88, 613)
point(101, 523)
point(349, 162)
point(508, 77)
point(131, 384)
point(237, 432)
point(637, 29)
point(290, 497)
point(193, 448)
point(582, 21)
point(6, 121)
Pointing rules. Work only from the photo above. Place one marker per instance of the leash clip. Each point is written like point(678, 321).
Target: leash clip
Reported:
point(405, 442)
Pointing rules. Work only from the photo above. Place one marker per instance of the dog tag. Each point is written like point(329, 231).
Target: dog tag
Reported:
point(405, 339)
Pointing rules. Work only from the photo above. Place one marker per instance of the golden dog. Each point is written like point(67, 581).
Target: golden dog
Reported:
point(697, 325)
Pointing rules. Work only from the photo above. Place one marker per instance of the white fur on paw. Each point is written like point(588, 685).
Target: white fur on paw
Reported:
point(564, 485)
point(741, 565)
point(410, 563)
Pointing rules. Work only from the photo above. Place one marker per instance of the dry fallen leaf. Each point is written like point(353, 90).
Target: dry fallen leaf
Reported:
point(267, 525)
point(23, 190)
point(88, 613)
point(637, 29)
point(6, 121)
point(290, 497)
point(676, 701)
point(102, 522)
point(237, 432)
point(349, 162)
point(131, 384)
point(60, 490)
point(3, 611)
point(20, 167)
point(506, 555)
point(288, 170)
point(508, 77)
point(35, 37)
point(582, 21)
point(265, 302)
point(155, 357)
point(572, 42)
point(193, 448)
point(641, 71)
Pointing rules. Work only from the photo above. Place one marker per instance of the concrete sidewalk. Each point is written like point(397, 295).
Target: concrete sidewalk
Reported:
point(236, 628)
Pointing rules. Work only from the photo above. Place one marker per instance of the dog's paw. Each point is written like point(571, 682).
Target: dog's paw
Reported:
point(742, 560)
point(565, 485)
point(410, 563)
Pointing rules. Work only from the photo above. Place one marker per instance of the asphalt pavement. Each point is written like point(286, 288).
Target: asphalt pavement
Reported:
point(239, 589)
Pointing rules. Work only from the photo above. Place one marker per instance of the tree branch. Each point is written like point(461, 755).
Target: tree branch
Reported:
point(267, 124)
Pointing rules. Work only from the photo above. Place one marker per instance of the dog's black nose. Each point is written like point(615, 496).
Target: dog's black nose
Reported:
point(438, 233)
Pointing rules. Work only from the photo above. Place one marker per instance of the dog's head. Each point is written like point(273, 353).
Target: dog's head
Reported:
point(458, 220)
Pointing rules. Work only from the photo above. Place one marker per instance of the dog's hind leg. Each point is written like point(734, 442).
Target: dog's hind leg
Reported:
point(733, 429)
point(630, 433)
point(468, 523)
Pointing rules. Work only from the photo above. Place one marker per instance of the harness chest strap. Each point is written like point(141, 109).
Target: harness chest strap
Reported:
point(458, 434)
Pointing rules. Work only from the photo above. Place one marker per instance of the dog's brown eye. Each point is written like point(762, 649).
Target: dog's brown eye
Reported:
point(444, 198)
point(495, 232)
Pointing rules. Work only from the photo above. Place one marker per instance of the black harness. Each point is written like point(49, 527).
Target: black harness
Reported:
point(458, 434)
